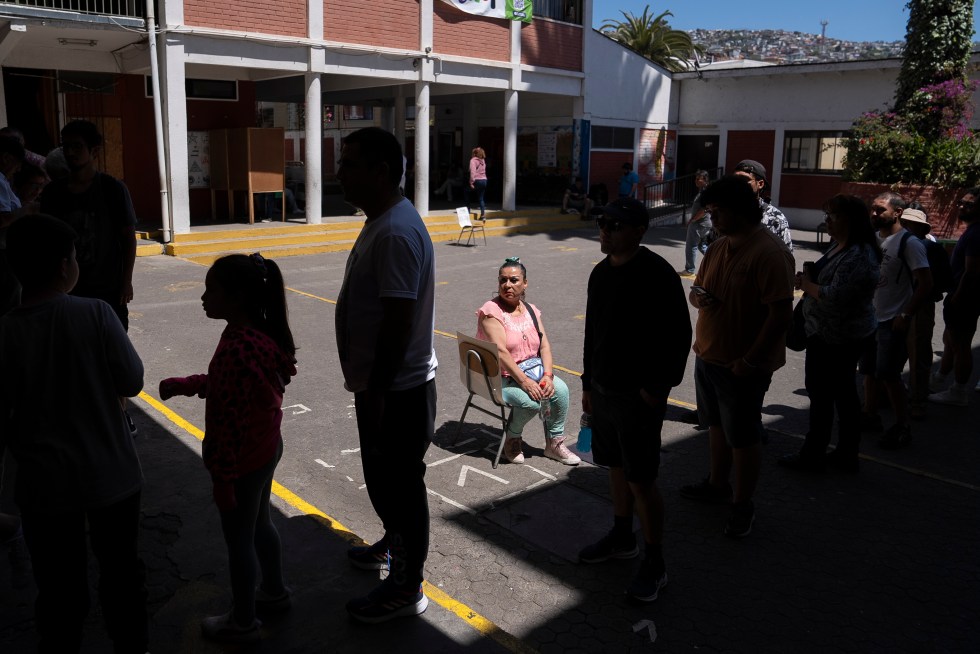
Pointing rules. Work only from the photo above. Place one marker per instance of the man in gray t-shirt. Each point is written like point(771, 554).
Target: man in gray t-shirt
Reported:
point(385, 320)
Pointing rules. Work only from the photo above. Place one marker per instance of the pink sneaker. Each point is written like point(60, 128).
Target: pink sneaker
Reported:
point(512, 450)
point(555, 449)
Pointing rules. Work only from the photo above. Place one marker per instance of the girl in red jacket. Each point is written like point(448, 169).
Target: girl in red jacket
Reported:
point(254, 361)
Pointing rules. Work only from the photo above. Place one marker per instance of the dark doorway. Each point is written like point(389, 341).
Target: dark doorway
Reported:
point(696, 152)
point(32, 106)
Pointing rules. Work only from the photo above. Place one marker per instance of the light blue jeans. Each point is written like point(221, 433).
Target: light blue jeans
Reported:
point(696, 231)
point(526, 409)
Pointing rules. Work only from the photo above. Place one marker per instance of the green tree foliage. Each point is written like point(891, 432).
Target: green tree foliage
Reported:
point(937, 45)
point(653, 38)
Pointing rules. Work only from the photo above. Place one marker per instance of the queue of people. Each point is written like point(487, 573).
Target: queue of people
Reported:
point(860, 299)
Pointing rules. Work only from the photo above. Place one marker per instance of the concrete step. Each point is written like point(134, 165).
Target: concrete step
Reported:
point(341, 240)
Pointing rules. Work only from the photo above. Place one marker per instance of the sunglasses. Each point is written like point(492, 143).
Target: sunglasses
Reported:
point(610, 224)
point(748, 169)
point(966, 203)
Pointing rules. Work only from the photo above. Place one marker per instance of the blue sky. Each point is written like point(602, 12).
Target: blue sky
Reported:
point(851, 20)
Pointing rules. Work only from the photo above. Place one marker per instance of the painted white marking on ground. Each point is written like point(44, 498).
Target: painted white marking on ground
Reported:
point(451, 458)
point(452, 502)
point(302, 408)
point(489, 433)
point(466, 442)
point(464, 469)
point(349, 478)
point(356, 449)
point(540, 472)
point(324, 463)
point(362, 487)
point(649, 626)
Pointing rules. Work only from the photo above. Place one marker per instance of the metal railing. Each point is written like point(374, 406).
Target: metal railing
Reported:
point(674, 195)
point(127, 8)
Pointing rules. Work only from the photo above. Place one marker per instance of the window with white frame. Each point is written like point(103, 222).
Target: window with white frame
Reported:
point(814, 152)
point(612, 138)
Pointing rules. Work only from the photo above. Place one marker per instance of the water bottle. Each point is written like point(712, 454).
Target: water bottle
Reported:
point(584, 443)
point(545, 411)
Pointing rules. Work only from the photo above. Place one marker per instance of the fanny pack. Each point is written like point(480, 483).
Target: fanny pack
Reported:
point(533, 368)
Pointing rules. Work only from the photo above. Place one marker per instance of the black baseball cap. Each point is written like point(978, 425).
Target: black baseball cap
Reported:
point(754, 168)
point(629, 211)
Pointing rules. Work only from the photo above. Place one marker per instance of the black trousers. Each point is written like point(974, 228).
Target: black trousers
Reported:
point(393, 446)
point(59, 555)
point(830, 383)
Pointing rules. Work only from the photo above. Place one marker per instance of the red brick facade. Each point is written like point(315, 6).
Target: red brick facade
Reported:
point(283, 17)
point(455, 32)
point(606, 168)
point(551, 44)
point(392, 24)
point(807, 191)
point(750, 144)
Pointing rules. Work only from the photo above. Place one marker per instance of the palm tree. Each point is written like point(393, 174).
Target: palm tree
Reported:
point(653, 38)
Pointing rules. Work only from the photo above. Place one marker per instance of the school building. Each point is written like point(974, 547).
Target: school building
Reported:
point(205, 104)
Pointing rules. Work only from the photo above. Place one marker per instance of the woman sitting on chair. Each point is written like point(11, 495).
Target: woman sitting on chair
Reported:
point(525, 363)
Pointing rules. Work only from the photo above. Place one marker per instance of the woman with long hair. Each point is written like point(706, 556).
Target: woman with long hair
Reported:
point(838, 290)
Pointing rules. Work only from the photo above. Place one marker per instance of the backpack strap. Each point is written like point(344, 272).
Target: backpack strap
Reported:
point(534, 319)
point(901, 257)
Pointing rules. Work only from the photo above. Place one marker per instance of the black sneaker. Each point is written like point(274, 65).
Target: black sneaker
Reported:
point(740, 521)
point(646, 586)
point(897, 436)
point(705, 491)
point(370, 557)
point(387, 602)
point(607, 548)
point(129, 422)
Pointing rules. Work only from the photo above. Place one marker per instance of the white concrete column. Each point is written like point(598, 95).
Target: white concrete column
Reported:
point(174, 98)
point(509, 200)
point(422, 147)
point(314, 150)
point(723, 148)
point(776, 169)
point(399, 127)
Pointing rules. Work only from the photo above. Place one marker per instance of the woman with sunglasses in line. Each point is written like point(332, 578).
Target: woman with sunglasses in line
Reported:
point(526, 364)
point(840, 318)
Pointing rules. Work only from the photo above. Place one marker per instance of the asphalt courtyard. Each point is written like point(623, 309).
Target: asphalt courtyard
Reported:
point(882, 561)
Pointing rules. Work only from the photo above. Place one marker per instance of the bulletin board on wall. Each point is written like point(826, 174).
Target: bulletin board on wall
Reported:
point(544, 163)
point(545, 150)
point(199, 159)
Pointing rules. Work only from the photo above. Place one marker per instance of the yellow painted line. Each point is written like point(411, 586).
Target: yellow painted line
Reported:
point(481, 624)
point(477, 621)
point(315, 297)
point(898, 466)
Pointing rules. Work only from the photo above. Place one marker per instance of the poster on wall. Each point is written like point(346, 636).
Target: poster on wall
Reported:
point(510, 9)
point(198, 160)
point(548, 150)
point(650, 155)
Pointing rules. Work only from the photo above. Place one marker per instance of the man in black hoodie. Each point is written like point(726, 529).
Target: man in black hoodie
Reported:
point(637, 338)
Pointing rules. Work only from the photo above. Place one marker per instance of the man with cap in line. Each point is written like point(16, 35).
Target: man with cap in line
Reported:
point(772, 218)
point(744, 295)
point(637, 338)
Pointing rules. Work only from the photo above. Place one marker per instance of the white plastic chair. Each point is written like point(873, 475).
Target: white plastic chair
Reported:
point(467, 226)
